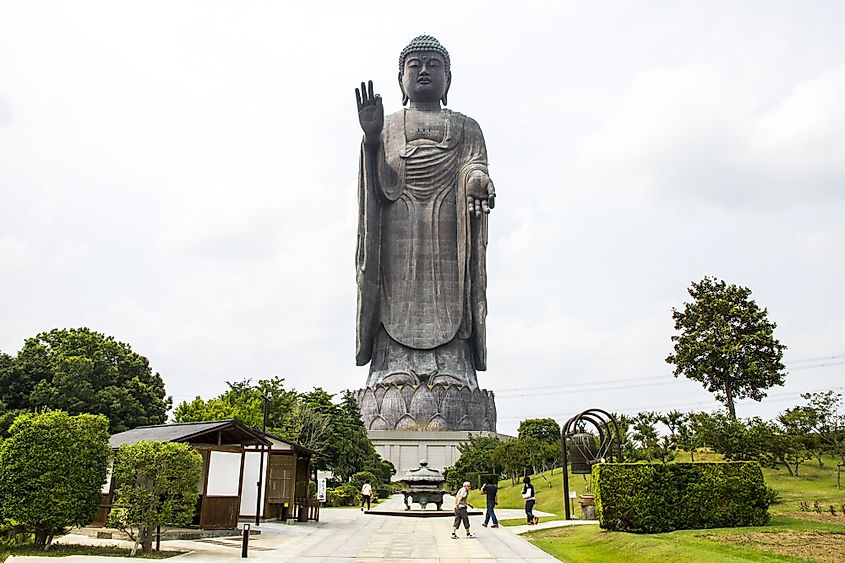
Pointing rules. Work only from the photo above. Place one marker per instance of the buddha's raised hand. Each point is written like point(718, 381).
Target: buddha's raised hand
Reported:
point(481, 195)
point(370, 112)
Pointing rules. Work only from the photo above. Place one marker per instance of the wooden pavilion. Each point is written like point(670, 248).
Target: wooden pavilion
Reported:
point(231, 452)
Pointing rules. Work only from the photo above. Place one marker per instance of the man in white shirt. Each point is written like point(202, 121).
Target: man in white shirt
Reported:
point(461, 510)
point(366, 494)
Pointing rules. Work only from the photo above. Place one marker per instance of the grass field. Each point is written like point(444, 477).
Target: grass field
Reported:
point(791, 535)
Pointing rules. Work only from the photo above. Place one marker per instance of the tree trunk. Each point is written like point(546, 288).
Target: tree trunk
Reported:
point(40, 536)
point(692, 455)
point(134, 549)
point(146, 539)
point(788, 468)
point(729, 400)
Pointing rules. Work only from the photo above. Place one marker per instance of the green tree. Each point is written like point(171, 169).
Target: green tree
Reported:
point(14, 390)
point(7, 418)
point(543, 429)
point(823, 415)
point(682, 431)
point(625, 423)
point(332, 429)
point(349, 449)
point(82, 371)
point(244, 400)
point(515, 457)
point(728, 436)
point(157, 484)
point(794, 442)
point(650, 445)
point(476, 457)
point(754, 439)
point(52, 470)
point(727, 343)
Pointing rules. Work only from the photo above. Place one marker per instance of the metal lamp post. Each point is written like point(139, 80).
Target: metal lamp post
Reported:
point(259, 503)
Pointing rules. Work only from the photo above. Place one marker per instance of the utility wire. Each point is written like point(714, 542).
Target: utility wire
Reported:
point(777, 397)
point(632, 383)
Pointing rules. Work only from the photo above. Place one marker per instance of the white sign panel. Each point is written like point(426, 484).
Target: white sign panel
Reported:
point(321, 490)
point(224, 474)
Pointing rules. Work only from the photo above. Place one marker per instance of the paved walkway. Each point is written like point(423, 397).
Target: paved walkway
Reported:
point(348, 535)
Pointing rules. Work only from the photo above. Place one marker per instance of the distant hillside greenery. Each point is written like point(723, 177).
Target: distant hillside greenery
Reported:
point(801, 436)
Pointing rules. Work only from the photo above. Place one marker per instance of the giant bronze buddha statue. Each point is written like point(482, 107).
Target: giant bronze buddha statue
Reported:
point(424, 197)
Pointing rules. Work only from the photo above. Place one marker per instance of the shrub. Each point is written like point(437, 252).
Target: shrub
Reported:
point(157, 484)
point(12, 535)
point(364, 477)
point(52, 469)
point(647, 498)
point(346, 494)
point(384, 490)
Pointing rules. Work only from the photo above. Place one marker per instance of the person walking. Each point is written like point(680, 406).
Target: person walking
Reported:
point(528, 495)
point(491, 490)
point(366, 494)
point(461, 515)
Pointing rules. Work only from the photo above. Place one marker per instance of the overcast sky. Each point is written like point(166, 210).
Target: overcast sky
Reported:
point(182, 176)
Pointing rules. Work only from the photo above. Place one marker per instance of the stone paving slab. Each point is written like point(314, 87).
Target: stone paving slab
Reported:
point(349, 535)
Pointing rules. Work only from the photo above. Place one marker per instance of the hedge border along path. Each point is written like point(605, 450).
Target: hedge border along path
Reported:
point(646, 498)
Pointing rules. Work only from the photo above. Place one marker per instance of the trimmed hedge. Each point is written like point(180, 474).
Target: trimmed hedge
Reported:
point(636, 497)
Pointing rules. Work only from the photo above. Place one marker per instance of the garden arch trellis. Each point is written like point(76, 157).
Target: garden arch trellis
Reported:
point(609, 439)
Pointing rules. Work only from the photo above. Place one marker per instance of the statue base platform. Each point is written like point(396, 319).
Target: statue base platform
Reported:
point(406, 448)
point(422, 513)
point(395, 506)
point(425, 407)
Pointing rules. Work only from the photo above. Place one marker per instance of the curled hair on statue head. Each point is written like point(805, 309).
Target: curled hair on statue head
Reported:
point(419, 44)
point(423, 43)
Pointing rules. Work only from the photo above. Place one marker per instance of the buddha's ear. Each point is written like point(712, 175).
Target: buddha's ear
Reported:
point(404, 95)
point(448, 83)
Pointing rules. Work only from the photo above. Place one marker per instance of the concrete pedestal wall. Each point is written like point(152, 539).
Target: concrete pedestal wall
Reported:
point(405, 449)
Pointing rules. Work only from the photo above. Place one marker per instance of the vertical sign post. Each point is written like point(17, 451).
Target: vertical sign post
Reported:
point(321, 490)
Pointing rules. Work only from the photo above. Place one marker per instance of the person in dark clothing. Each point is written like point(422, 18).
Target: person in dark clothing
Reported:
point(528, 495)
point(491, 490)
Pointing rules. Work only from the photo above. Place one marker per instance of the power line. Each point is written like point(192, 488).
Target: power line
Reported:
point(573, 388)
point(777, 397)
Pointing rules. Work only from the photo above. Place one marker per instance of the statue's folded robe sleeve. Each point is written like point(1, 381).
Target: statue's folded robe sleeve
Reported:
point(373, 167)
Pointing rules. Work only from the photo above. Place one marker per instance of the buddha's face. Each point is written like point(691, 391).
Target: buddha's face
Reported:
point(424, 77)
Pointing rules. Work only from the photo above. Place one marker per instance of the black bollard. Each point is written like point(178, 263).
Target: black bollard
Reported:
point(158, 537)
point(245, 546)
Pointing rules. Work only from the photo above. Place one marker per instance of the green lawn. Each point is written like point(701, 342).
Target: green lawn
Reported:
point(547, 490)
point(589, 544)
point(792, 535)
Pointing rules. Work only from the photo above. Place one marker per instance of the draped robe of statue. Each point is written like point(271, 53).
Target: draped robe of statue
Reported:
point(421, 258)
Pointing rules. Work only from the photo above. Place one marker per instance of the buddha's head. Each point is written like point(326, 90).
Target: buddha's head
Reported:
point(424, 73)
